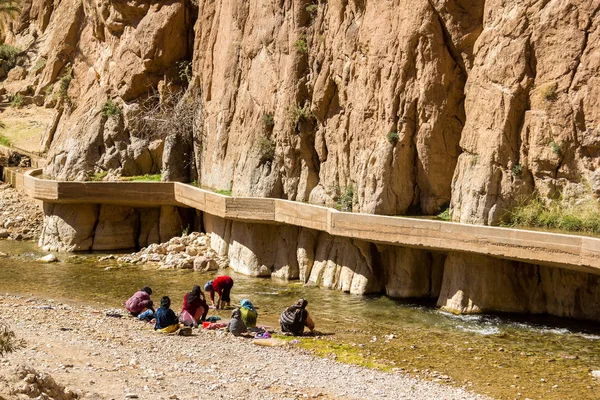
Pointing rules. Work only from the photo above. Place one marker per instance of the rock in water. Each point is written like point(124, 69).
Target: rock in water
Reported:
point(49, 258)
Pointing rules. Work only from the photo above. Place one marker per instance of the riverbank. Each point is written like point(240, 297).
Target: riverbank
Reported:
point(102, 357)
point(20, 217)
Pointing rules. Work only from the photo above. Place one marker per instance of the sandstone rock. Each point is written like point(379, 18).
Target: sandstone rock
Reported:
point(175, 248)
point(410, 272)
point(170, 224)
point(344, 264)
point(16, 74)
point(204, 264)
point(518, 287)
point(116, 229)
point(49, 258)
point(220, 233)
point(149, 226)
point(68, 227)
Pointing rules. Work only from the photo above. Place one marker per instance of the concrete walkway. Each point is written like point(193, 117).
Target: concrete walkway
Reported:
point(574, 252)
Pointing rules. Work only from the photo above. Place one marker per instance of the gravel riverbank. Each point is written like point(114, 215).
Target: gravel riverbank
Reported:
point(101, 357)
point(20, 217)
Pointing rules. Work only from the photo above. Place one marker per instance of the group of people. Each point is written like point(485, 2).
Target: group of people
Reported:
point(195, 308)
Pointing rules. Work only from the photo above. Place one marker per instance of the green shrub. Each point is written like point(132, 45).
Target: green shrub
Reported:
point(98, 176)
point(445, 215)
point(266, 150)
point(4, 141)
point(184, 70)
point(312, 9)
point(549, 92)
point(143, 178)
point(268, 121)
point(300, 114)
point(347, 199)
point(9, 54)
point(301, 46)
point(393, 137)
point(583, 216)
point(110, 108)
point(63, 85)
point(555, 148)
point(225, 192)
point(48, 91)
point(17, 101)
point(39, 65)
point(8, 340)
point(517, 170)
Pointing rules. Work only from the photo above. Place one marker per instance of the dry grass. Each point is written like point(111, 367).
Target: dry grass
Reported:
point(580, 216)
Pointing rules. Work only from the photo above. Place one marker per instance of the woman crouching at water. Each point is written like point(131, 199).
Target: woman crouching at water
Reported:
point(166, 320)
point(194, 308)
point(139, 305)
point(295, 318)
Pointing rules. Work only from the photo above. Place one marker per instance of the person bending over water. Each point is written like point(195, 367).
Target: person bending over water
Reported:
point(166, 320)
point(222, 285)
point(295, 318)
point(194, 308)
point(249, 314)
point(139, 305)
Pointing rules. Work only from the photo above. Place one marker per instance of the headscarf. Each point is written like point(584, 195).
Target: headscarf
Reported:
point(209, 286)
point(196, 293)
point(302, 303)
point(248, 304)
point(299, 305)
point(146, 289)
point(165, 302)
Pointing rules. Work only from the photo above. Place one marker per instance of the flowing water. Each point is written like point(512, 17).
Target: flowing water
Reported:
point(501, 355)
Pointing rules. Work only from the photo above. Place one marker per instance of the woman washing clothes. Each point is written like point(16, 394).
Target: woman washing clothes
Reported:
point(222, 285)
point(249, 314)
point(139, 305)
point(194, 308)
point(295, 318)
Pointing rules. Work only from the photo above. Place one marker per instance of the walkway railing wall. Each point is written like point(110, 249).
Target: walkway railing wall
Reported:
point(575, 252)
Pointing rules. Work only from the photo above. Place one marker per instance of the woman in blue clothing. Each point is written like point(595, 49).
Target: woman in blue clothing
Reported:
point(166, 320)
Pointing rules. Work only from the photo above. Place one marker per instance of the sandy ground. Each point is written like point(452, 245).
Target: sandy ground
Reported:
point(101, 357)
point(24, 127)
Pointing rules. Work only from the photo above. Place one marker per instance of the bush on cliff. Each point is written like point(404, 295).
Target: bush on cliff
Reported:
point(9, 55)
point(579, 216)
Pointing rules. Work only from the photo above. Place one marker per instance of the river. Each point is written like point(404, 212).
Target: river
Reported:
point(505, 356)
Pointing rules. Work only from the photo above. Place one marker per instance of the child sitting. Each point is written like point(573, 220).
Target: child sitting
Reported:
point(166, 320)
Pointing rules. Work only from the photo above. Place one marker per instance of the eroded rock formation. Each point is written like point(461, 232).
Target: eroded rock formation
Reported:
point(377, 107)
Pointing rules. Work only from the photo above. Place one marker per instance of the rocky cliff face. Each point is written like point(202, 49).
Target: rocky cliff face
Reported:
point(386, 107)
point(400, 107)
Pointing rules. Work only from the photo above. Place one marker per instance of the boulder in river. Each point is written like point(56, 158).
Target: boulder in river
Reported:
point(49, 258)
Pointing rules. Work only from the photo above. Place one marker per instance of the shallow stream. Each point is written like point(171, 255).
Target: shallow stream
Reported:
point(501, 355)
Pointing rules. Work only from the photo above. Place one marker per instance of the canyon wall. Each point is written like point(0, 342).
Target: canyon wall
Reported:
point(380, 107)
point(385, 107)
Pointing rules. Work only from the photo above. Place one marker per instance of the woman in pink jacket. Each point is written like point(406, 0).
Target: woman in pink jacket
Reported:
point(139, 305)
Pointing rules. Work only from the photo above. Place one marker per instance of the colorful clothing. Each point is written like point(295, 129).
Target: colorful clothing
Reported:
point(196, 309)
point(293, 320)
point(138, 302)
point(222, 285)
point(165, 318)
point(249, 317)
